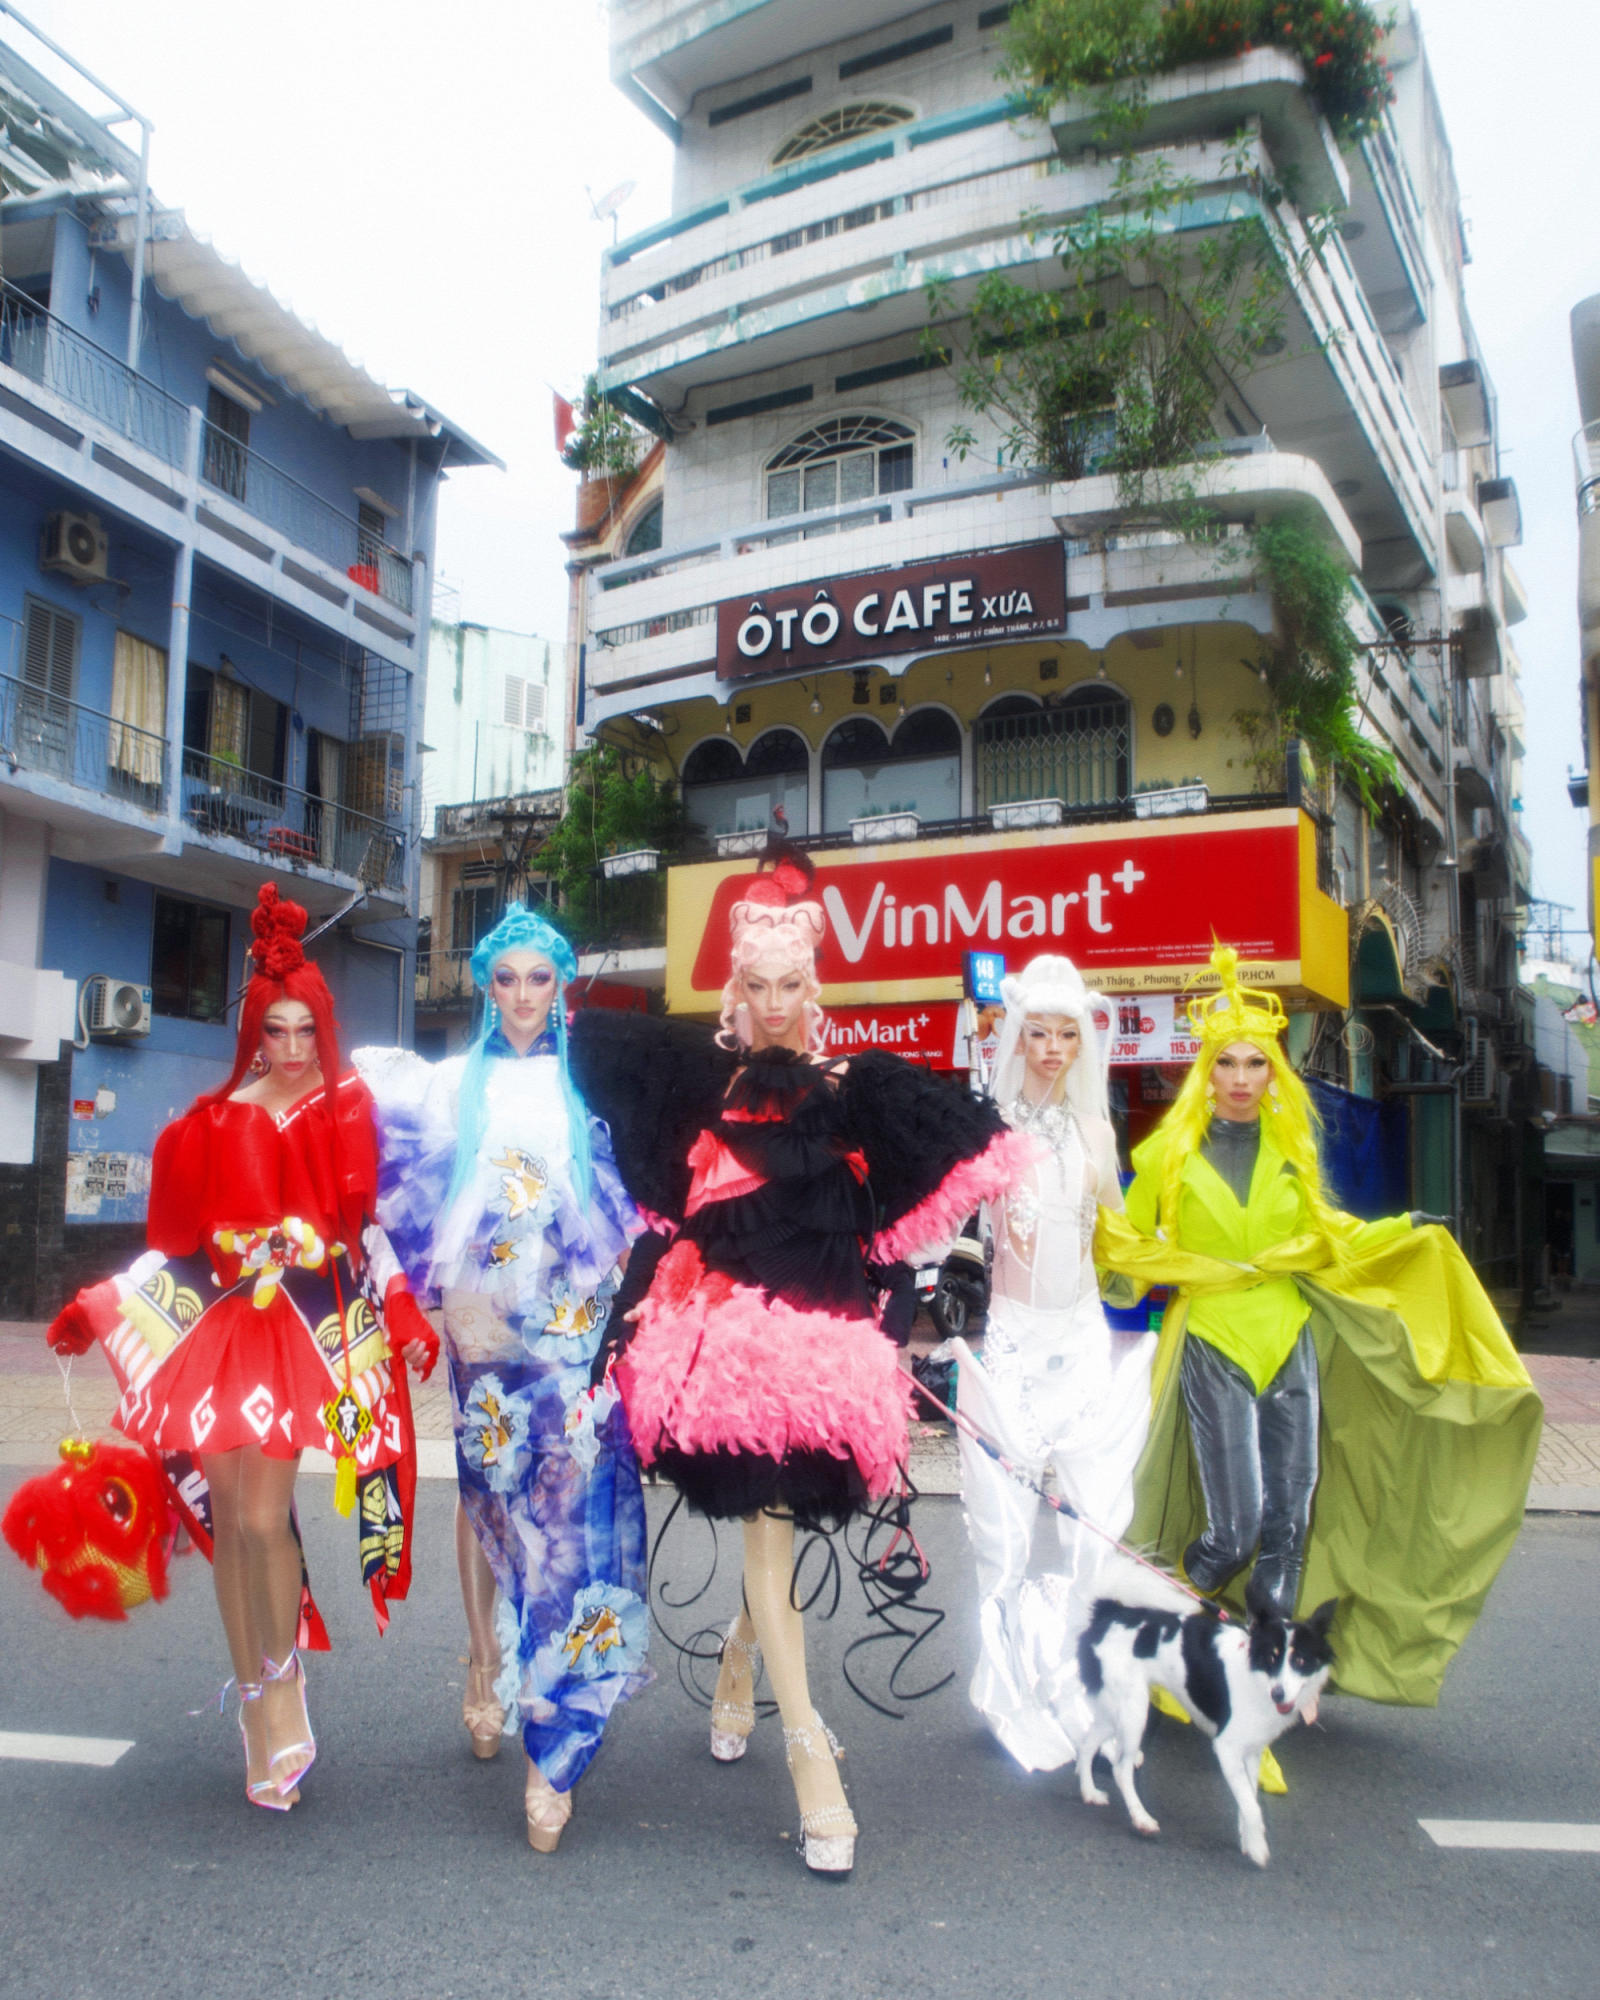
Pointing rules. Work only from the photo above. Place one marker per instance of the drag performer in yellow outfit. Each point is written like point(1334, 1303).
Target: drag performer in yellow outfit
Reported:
point(1337, 1395)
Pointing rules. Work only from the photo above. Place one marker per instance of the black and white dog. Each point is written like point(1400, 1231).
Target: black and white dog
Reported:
point(1242, 1686)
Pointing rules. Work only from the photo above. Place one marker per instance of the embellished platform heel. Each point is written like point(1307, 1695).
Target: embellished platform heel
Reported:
point(482, 1712)
point(732, 1721)
point(547, 1811)
point(827, 1833)
point(297, 1758)
point(259, 1791)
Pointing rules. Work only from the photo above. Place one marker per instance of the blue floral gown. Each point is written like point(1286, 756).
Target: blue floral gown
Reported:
point(546, 1467)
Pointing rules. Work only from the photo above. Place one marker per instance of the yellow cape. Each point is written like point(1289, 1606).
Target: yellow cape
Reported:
point(1430, 1425)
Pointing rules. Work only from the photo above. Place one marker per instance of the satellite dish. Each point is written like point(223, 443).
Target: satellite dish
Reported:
point(608, 204)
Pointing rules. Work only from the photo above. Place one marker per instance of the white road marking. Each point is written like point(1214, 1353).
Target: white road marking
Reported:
point(101, 1750)
point(1534, 1836)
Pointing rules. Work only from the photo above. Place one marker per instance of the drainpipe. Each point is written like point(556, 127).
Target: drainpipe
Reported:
point(141, 228)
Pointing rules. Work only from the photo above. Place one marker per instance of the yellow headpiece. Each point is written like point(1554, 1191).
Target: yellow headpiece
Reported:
point(1238, 1013)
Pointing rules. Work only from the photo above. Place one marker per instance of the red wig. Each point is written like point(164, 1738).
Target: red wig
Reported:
point(282, 972)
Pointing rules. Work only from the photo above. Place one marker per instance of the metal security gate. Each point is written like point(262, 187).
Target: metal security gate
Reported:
point(1078, 752)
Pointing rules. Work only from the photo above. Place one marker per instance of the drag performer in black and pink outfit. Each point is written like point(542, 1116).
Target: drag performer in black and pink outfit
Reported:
point(755, 1372)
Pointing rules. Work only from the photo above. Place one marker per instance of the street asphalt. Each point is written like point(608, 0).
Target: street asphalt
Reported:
point(405, 1872)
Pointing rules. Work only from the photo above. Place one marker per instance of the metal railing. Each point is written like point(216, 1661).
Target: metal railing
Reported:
point(290, 825)
point(1078, 755)
point(59, 358)
point(265, 490)
point(444, 978)
point(44, 732)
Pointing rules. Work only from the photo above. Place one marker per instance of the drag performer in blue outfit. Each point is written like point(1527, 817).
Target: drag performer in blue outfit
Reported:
point(500, 1195)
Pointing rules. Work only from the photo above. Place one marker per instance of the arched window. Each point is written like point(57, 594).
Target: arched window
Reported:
point(726, 792)
point(864, 773)
point(646, 534)
point(1078, 750)
point(845, 459)
point(833, 128)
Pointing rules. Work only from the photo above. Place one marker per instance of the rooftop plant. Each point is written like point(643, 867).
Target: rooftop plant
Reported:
point(605, 443)
point(1064, 48)
point(610, 808)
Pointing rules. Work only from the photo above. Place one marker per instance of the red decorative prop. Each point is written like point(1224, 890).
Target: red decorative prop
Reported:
point(98, 1527)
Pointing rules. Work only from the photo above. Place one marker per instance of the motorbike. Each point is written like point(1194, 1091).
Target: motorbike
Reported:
point(955, 1291)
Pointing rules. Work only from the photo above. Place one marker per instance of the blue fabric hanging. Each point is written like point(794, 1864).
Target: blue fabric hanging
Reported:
point(1366, 1151)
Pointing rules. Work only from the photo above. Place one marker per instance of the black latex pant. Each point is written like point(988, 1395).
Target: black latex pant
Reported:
point(1257, 1458)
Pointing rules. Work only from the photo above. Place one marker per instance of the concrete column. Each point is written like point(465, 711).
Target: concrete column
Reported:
point(178, 628)
point(24, 878)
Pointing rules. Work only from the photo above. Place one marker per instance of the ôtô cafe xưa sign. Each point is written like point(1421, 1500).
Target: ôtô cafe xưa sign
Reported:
point(1006, 594)
point(1136, 907)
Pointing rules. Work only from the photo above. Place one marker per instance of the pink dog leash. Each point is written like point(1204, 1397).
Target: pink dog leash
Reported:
point(1054, 1500)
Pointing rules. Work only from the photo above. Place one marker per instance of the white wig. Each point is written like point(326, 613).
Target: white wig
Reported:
point(1051, 985)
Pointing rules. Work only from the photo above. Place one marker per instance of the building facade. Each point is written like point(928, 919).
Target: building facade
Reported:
point(216, 545)
point(1003, 712)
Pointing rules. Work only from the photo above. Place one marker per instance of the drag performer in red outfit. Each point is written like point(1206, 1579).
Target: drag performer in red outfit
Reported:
point(755, 1373)
point(264, 1318)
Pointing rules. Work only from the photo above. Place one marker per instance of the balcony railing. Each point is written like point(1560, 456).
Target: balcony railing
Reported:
point(289, 825)
point(48, 351)
point(304, 517)
point(444, 978)
point(43, 732)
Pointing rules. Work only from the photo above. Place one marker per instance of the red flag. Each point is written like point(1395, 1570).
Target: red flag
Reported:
point(566, 421)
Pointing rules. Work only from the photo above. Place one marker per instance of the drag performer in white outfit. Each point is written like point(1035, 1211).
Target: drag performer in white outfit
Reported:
point(1055, 1390)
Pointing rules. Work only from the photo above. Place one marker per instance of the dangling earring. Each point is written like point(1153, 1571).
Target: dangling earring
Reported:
point(259, 1065)
point(1211, 1090)
point(1272, 1095)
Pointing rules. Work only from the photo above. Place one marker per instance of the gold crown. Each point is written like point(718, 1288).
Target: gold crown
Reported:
point(1238, 1013)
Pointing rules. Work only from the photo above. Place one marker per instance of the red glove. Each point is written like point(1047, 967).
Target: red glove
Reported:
point(404, 1321)
point(70, 1331)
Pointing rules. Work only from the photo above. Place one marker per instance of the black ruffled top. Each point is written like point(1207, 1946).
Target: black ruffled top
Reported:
point(804, 1233)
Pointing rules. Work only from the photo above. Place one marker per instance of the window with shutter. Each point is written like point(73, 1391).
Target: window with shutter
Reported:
point(51, 654)
point(523, 706)
point(49, 672)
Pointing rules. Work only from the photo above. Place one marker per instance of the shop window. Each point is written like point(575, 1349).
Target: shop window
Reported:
point(1078, 750)
point(646, 535)
point(725, 791)
point(837, 128)
point(833, 464)
point(189, 960)
point(865, 772)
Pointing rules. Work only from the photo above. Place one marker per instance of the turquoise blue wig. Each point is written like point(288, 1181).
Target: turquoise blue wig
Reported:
point(520, 930)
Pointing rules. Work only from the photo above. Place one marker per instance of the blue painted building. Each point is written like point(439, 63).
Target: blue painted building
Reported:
point(215, 581)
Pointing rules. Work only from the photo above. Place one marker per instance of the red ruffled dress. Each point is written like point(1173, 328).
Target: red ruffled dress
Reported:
point(207, 1368)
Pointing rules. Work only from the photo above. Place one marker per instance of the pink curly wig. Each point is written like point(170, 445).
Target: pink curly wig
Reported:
point(774, 931)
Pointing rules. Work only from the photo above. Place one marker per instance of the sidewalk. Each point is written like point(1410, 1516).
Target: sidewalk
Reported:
point(33, 1419)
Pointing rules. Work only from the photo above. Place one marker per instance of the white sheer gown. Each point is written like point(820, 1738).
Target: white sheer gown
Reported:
point(1065, 1400)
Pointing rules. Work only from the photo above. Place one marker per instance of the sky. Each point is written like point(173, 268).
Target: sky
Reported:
point(412, 179)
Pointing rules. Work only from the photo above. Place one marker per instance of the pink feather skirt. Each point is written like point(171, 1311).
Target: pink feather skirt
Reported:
point(715, 1367)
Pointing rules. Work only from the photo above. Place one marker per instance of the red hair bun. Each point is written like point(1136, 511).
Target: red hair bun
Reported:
point(279, 926)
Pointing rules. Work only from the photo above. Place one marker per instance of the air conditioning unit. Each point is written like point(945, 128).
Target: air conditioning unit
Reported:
point(1479, 1077)
point(112, 1008)
point(75, 545)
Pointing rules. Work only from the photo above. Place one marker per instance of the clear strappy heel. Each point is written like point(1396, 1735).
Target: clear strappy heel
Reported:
point(827, 1833)
point(732, 1721)
point(299, 1757)
point(259, 1791)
